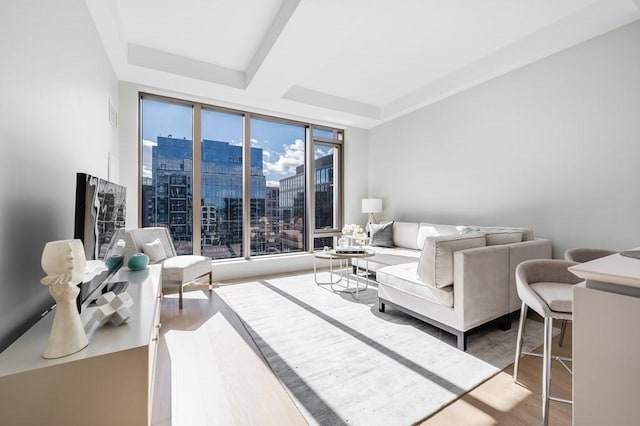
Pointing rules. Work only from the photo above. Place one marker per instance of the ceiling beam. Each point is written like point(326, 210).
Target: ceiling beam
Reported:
point(180, 65)
point(273, 33)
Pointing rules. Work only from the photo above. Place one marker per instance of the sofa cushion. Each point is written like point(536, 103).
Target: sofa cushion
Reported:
point(505, 237)
point(435, 230)
point(527, 233)
point(405, 234)
point(386, 256)
point(403, 277)
point(381, 234)
point(436, 261)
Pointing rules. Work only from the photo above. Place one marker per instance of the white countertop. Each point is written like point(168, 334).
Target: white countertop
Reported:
point(26, 353)
point(614, 269)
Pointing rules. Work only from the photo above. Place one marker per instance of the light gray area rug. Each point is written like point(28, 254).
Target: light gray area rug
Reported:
point(344, 362)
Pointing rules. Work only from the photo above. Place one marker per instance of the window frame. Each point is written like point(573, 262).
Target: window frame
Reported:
point(310, 231)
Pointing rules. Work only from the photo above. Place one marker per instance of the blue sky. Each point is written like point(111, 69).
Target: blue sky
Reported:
point(282, 144)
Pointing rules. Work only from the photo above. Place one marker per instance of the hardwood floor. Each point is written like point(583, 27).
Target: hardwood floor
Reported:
point(500, 401)
point(209, 372)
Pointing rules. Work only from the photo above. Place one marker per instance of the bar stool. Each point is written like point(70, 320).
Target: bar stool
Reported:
point(546, 286)
point(582, 255)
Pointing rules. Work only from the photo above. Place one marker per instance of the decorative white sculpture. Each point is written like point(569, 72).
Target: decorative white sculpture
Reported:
point(113, 307)
point(64, 263)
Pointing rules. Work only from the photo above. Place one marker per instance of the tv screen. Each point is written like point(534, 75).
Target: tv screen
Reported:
point(99, 223)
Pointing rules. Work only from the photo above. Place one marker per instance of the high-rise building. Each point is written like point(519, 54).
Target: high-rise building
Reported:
point(277, 212)
point(167, 200)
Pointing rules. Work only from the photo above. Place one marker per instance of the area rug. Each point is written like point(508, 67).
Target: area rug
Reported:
point(345, 363)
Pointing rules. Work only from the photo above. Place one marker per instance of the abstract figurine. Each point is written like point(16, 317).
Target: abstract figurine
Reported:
point(64, 263)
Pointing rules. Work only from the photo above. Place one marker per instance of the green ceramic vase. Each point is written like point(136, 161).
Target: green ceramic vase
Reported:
point(138, 262)
point(113, 262)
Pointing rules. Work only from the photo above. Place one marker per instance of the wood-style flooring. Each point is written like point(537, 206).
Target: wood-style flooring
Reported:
point(209, 372)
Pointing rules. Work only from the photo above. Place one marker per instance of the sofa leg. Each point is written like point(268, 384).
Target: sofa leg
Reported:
point(506, 322)
point(180, 298)
point(380, 306)
point(210, 280)
point(462, 341)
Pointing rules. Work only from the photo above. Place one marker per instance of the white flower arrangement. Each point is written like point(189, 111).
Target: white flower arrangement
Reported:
point(351, 230)
point(356, 233)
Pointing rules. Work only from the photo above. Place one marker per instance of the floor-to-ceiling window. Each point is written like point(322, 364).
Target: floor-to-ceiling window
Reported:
point(327, 155)
point(221, 183)
point(167, 166)
point(278, 188)
point(266, 185)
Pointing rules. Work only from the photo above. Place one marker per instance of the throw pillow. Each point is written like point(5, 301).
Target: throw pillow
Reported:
point(381, 234)
point(436, 260)
point(154, 250)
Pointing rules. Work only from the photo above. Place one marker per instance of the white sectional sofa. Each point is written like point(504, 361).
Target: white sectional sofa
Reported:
point(454, 277)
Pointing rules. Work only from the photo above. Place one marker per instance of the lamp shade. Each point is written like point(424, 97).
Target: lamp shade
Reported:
point(371, 205)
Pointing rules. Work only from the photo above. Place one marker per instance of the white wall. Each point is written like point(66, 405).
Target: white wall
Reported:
point(55, 86)
point(355, 185)
point(554, 146)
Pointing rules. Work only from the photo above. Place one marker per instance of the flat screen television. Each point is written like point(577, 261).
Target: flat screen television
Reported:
point(100, 213)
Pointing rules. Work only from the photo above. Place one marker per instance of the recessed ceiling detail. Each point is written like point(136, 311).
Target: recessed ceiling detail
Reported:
point(360, 62)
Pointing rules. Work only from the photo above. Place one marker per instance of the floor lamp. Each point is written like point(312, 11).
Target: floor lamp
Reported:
point(371, 206)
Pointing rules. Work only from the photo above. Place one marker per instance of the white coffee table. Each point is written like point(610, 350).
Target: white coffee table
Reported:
point(331, 256)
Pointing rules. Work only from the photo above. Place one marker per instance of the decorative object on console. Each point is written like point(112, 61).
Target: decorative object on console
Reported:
point(64, 263)
point(113, 307)
point(371, 206)
point(114, 261)
point(381, 234)
point(116, 258)
point(138, 261)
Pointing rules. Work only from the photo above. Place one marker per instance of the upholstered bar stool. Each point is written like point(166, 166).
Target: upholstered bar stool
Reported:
point(546, 286)
point(582, 255)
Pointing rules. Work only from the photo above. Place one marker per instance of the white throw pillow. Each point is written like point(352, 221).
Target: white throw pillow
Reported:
point(155, 251)
point(405, 234)
point(436, 260)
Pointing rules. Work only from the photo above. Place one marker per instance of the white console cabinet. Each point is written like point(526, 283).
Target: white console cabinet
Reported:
point(110, 382)
point(606, 348)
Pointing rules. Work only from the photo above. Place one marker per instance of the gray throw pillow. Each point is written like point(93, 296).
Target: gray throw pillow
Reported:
point(381, 234)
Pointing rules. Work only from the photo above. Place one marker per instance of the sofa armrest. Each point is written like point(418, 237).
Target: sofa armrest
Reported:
point(481, 284)
point(538, 248)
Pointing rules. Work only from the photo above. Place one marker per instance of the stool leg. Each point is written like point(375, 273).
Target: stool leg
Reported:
point(210, 280)
point(523, 319)
point(180, 298)
point(563, 327)
point(546, 369)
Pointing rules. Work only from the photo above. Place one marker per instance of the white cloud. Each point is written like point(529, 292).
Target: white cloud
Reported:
point(266, 154)
point(147, 142)
point(273, 183)
point(235, 142)
point(286, 164)
point(255, 143)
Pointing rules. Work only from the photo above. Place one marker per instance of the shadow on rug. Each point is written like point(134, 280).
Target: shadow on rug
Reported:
point(344, 362)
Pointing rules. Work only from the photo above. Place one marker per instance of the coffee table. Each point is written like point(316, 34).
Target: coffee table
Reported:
point(331, 256)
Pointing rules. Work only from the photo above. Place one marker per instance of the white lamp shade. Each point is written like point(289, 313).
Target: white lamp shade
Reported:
point(371, 205)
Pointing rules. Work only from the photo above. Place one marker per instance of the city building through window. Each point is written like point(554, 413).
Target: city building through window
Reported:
point(266, 185)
